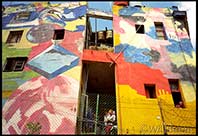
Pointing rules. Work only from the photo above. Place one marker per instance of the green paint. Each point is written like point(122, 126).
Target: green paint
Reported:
point(12, 80)
point(13, 52)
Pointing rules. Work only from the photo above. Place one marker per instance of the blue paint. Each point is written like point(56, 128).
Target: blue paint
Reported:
point(6, 20)
point(128, 11)
point(73, 14)
point(80, 28)
point(178, 47)
point(187, 46)
point(152, 32)
point(120, 48)
point(3, 101)
point(134, 55)
point(53, 61)
point(55, 20)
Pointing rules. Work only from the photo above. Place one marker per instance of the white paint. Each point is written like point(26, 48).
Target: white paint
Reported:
point(30, 85)
point(13, 122)
point(34, 22)
point(54, 119)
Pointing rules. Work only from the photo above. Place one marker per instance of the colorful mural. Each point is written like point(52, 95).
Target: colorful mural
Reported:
point(46, 91)
point(155, 61)
point(52, 103)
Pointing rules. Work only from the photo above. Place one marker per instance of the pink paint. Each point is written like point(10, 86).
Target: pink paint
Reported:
point(57, 96)
point(70, 42)
point(116, 25)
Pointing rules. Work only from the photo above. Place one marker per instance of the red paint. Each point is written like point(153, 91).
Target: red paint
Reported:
point(100, 56)
point(11, 129)
point(133, 74)
point(136, 75)
point(70, 42)
point(121, 3)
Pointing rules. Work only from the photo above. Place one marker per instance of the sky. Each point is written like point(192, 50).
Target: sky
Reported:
point(189, 6)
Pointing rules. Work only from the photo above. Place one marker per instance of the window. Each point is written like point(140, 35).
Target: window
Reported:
point(176, 94)
point(160, 31)
point(23, 16)
point(20, 17)
point(99, 33)
point(59, 34)
point(139, 29)
point(150, 91)
point(14, 37)
point(15, 64)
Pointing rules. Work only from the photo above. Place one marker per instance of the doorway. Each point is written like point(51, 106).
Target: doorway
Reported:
point(98, 95)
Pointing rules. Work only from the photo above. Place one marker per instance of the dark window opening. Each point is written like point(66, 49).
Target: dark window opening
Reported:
point(15, 64)
point(98, 35)
point(59, 34)
point(160, 32)
point(176, 93)
point(177, 100)
point(14, 37)
point(174, 85)
point(97, 97)
point(139, 29)
point(150, 91)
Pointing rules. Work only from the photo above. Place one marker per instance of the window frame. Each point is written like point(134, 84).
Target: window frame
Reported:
point(159, 27)
point(148, 92)
point(176, 91)
point(16, 35)
point(138, 28)
point(14, 64)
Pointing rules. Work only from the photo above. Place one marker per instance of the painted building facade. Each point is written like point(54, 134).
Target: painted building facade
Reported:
point(47, 59)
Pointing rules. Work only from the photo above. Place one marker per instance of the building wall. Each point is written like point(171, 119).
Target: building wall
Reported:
point(143, 59)
point(46, 91)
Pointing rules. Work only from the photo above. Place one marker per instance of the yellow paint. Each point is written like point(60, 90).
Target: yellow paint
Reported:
point(74, 73)
point(83, 3)
point(72, 25)
point(43, 4)
point(116, 9)
point(24, 43)
point(190, 61)
point(137, 114)
point(116, 39)
point(6, 94)
point(189, 93)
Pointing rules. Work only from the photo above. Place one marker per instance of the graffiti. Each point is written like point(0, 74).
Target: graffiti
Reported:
point(41, 33)
point(176, 129)
point(53, 61)
point(148, 129)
